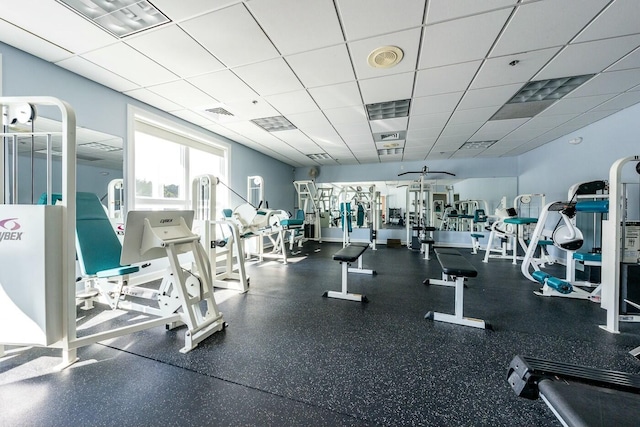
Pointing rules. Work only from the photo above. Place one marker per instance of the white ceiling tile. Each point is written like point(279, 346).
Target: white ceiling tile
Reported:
point(614, 21)
point(232, 35)
point(389, 125)
point(388, 88)
point(605, 83)
point(325, 136)
point(367, 18)
point(303, 25)
point(309, 119)
point(574, 105)
point(192, 117)
point(153, 99)
point(467, 153)
point(249, 130)
point(358, 139)
point(422, 134)
point(129, 64)
point(544, 24)
point(297, 139)
point(30, 43)
point(269, 77)
point(408, 41)
point(292, 102)
point(621, 101)
point(428, 121)
point(172, 48)
point(183, 9)
point(322, 67)
point(487, 97)
point(340, 95)
point(250, 108)
point(630, 61)
point(223, 86)
point(499, 71)
point(97, 73)
point(588, 118)
point(496, 129)
point(449, 143)
point(464, 130)
point(435, 103)
point(61, 25)
point(578, 59)
point(351, 114)
point(439, 155)
point(548, 122)
point(345, 129)
point(183, 93)
point(451, 42)
point(443, 10)
point(472, 116)
point(451, 78)
point(522, 135)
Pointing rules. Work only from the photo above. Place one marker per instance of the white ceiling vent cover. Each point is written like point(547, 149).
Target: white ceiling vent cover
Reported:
point(385, 57)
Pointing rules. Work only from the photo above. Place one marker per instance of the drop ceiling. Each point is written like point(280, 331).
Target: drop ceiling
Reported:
point(307, 62)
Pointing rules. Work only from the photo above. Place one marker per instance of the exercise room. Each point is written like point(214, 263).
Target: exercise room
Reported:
point(320, 213)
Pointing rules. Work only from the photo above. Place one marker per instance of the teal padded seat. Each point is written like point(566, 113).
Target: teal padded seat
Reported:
point(296, 222)
point(520, 220)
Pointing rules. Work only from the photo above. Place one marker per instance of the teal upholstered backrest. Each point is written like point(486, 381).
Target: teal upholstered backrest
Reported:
point(96, 242)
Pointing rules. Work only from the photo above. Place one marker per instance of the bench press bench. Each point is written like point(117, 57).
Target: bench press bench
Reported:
point(455, 268)
point(347, 255)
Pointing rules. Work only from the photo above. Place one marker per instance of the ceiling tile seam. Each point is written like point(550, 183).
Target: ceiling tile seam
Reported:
point(205, 12)
point(633, 51)
point(38, 37)
point(138, 86)
point(596, 16)
point(514, 5)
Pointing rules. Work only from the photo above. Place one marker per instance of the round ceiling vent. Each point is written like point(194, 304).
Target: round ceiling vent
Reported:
point(385, 57)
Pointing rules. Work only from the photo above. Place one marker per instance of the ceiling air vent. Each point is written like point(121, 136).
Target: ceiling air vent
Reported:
point(385, 57)
point(319, 156)
point(390, 151)
point(219, 111)
point(474, 145)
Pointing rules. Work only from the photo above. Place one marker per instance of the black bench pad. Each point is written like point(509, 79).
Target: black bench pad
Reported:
point(350, 253)
point(454, 264)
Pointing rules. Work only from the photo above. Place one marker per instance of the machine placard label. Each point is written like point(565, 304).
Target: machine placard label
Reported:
point(11, 225)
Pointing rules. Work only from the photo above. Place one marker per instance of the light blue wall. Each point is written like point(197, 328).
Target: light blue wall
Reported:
point(100, 108)
point(463, 168)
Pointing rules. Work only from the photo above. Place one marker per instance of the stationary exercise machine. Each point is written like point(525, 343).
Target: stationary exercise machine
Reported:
point(220, 239)
point(38, 294)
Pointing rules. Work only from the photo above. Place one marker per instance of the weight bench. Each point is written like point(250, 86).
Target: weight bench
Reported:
point(578, 395)
point(427, 241)
point(455, 268)
point(347, 255)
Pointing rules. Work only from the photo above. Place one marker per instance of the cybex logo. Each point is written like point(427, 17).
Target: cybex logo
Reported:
point(11, 225)
point(165, 220)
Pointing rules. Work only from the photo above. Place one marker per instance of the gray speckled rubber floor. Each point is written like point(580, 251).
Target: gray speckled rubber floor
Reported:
point(291, 357)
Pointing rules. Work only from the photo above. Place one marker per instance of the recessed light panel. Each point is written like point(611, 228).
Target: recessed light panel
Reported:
point(390, 151)
point(119, 17)
point(388, 110)
point(274, 124)
point(319, 156)
point(100, 146)
point(471, 145)
point(552, 89)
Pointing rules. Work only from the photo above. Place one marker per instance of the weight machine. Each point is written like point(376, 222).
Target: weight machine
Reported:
point(221, 239)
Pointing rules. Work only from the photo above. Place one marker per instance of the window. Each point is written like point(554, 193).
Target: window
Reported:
point(163, 161)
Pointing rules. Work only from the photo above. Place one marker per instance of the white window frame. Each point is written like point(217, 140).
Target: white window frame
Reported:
point(172, 131)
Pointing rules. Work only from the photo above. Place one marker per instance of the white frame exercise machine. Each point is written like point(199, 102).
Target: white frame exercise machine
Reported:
point(230, 251)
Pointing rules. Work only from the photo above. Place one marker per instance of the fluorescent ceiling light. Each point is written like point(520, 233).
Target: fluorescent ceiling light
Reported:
point(551, 89)
point(274, 124)
point(388, 110)
point(319, 156)
point(100, 146)
point(471, 145)
point(390, 151)
point(119, 17)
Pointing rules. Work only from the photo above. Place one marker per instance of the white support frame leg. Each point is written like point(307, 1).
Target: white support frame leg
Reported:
point(456, 318)
point(343, 294)
point(359, 269)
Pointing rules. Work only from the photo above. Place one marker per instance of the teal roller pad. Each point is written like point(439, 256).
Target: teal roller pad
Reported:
point(559, 285)
point(593, 206)
point(540, 276)
point(291, 222)
point(581, 256)
point(477, 236)
point(520, 220)
point(360, 216)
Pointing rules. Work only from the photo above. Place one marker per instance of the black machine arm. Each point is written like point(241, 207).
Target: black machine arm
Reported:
point(425, 170)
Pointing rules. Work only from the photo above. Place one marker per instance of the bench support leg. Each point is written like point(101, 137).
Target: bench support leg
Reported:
point(360, 269)
point(458, 317)
point(343, 294)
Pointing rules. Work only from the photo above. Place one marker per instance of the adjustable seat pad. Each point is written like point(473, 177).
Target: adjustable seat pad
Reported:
point(454, 264)
point(350, 253)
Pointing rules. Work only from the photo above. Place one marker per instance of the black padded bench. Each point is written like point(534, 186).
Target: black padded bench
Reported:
point(347, 255)
point(578, 395)
point(455, 268)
